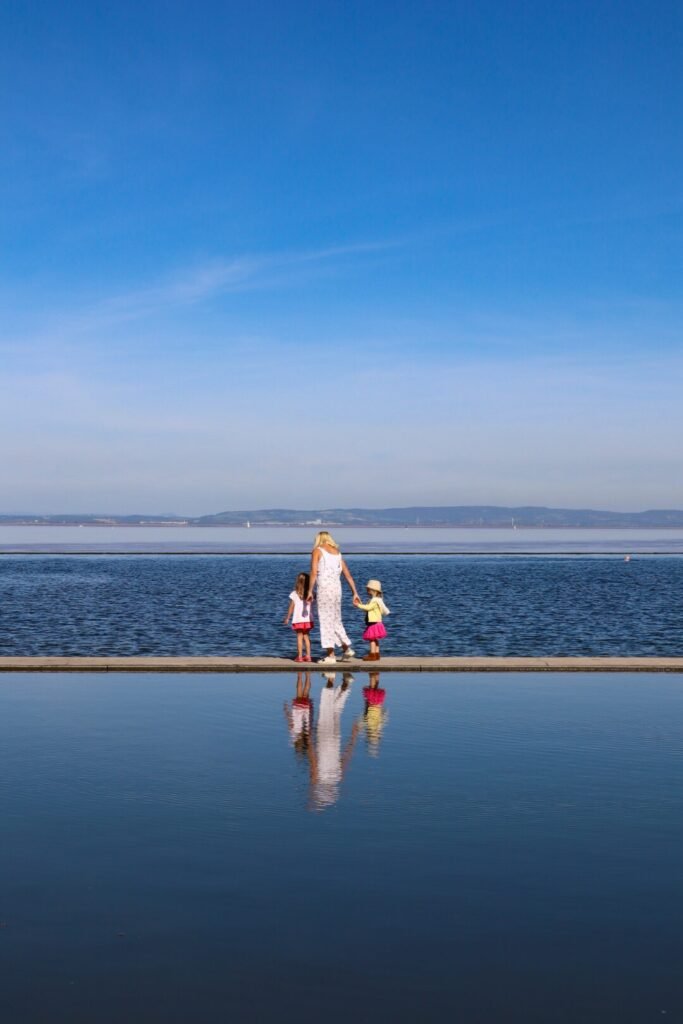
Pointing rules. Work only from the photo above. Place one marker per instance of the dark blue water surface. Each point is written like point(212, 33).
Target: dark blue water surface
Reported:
point(491, 848)
point(440, 605)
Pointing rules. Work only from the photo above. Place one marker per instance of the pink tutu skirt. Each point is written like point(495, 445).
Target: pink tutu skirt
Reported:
point(375, 631)
point(302, 627)
point(374, 695)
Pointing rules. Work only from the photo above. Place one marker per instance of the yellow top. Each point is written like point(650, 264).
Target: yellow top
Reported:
point(373, 608)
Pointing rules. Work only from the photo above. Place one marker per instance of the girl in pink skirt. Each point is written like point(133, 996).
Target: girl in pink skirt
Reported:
point(375, 715)
point(301, 614)
point(374, 610)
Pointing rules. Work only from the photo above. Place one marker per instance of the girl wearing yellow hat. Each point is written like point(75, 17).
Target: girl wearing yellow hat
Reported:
point(374, 610)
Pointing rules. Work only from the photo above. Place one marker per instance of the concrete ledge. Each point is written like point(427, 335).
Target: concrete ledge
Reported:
point(414, 664)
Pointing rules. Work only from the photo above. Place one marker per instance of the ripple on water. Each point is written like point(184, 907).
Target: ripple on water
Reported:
point(440, 605)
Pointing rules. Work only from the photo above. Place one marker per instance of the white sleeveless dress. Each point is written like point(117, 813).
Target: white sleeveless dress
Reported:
point(329, 739)
point(332, 632)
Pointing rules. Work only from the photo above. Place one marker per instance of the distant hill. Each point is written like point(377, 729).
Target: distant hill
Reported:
point(448, 515)
point(89, 519)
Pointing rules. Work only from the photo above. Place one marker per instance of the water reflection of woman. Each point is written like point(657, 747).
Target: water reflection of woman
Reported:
point(375, 714)
point(300, 715)
point(328, 761)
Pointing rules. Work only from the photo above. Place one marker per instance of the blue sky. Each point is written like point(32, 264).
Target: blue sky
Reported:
point(333, 253)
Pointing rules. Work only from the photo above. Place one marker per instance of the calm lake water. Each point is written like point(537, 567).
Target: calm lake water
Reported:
point(464, 605)
point(299, 539)
point(471, 848)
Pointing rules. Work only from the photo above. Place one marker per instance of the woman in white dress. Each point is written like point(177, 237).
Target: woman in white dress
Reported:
point(327, 566)
point(328, 761)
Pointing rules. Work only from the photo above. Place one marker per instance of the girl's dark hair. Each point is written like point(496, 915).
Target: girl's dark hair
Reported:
point(303, 582)
point(302, 743)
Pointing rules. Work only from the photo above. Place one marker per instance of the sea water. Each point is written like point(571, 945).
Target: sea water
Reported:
point(269, 539)
point(440, 605)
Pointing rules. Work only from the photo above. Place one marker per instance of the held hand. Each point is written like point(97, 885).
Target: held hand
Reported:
point(356, 600)
point(309, 595)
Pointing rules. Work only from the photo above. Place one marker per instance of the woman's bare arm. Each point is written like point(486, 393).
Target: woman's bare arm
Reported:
point(315, 558)
point(349, 578)
point(348, 751)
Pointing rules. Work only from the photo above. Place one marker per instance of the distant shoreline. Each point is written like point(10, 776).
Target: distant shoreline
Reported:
point(411, 517)
point(154, 525)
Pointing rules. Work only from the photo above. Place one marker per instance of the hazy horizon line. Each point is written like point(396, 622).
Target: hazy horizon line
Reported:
point(340, 508)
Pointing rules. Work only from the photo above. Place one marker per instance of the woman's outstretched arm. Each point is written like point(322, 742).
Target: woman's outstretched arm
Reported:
point(349, 578)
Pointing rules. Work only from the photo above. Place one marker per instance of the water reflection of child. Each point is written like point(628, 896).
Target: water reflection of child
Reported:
point(328, 762)
point(375, 715)
point(300, 715)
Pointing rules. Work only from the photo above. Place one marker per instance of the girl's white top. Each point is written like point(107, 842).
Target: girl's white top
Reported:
point(302, 609)
point(301, 722)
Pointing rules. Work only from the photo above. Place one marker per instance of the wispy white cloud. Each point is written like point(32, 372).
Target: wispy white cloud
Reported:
point(474, 407)
point(191, 286)
point(544, 430)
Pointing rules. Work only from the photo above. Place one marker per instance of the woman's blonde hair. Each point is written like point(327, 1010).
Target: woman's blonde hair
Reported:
point(325, 538)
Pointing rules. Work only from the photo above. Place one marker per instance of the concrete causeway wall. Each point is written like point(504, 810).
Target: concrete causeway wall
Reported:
point(414, 664)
